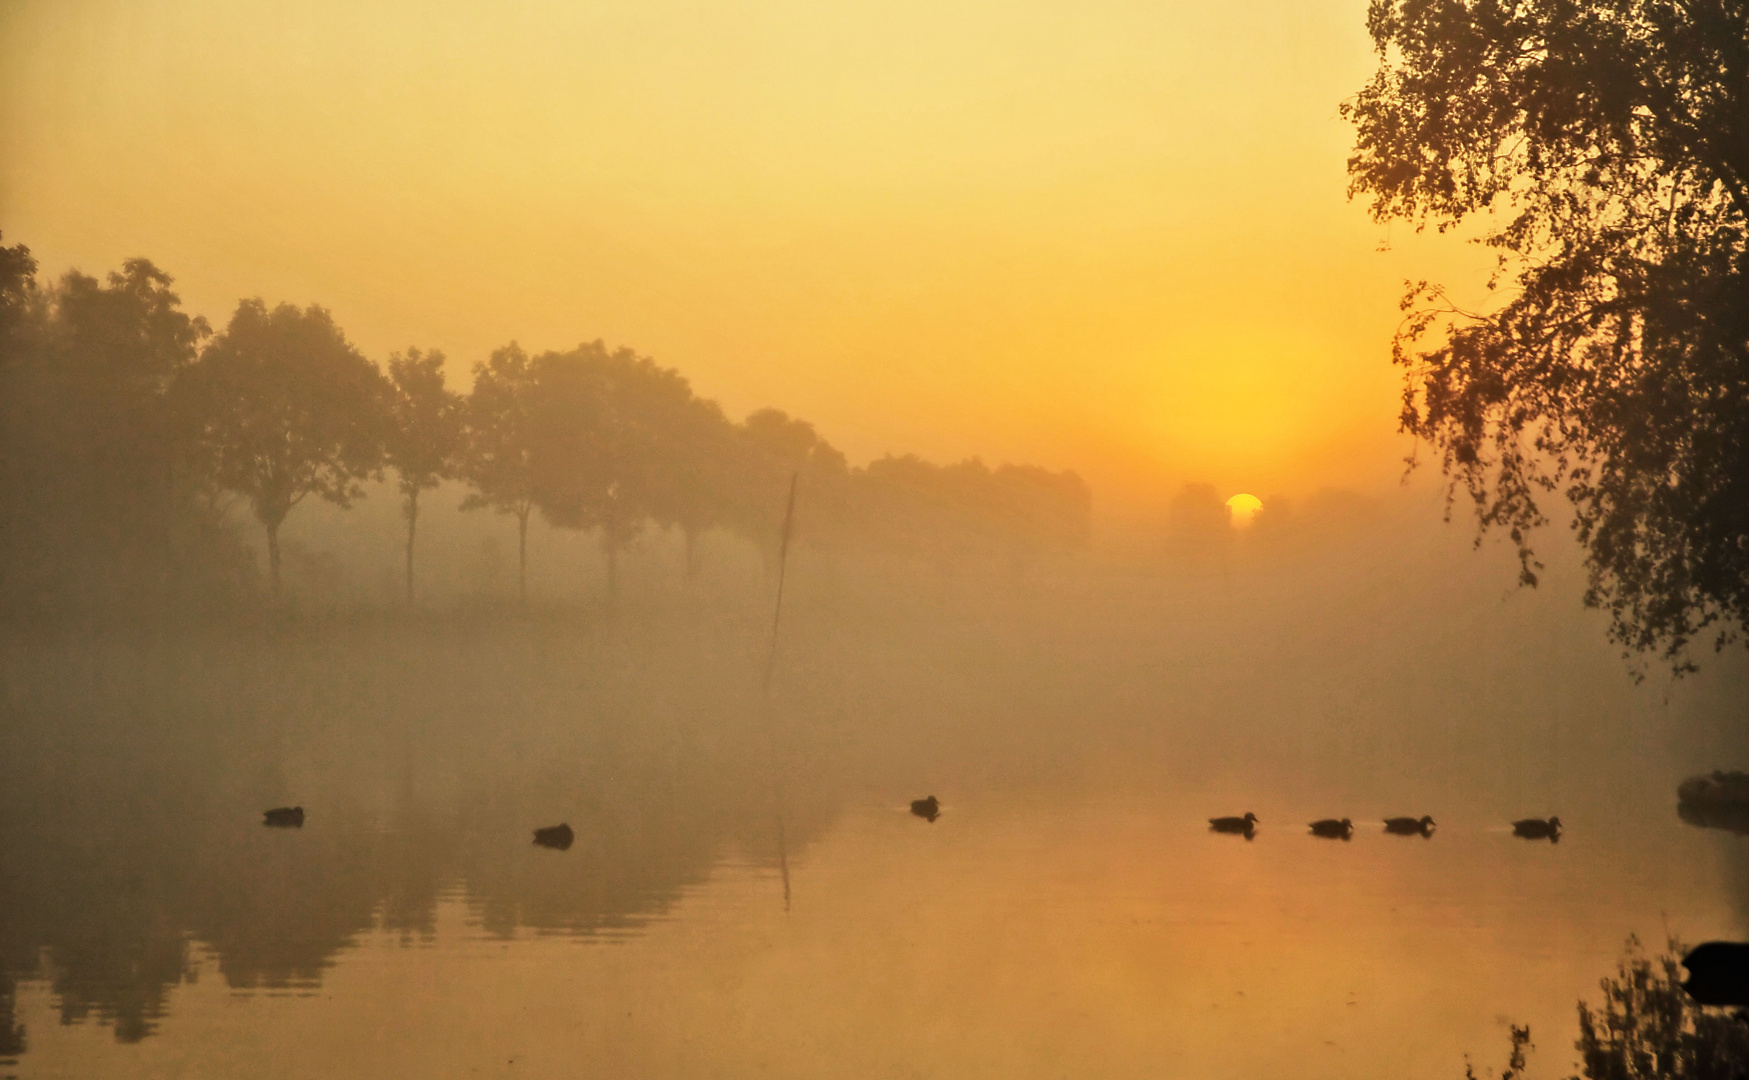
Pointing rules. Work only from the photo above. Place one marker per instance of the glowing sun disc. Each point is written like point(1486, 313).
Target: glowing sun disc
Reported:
point(1244, 507)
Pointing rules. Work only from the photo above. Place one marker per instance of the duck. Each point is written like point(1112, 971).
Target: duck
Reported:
point(284, 817)
point(928, 809)
point(558, 836)
point(1333, 828)
point(1246, 824)
point(1538, 829)
point(1408, 826)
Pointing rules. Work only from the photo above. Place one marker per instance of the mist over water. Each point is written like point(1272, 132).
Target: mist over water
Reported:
point(1069, 910)
point(793, 540)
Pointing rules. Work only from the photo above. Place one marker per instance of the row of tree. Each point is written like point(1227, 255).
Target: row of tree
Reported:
point(130, 426)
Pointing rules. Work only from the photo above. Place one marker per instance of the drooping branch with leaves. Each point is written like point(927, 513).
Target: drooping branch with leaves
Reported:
point(1602, 148)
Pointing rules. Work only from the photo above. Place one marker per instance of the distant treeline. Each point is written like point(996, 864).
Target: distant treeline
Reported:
point(129, 429)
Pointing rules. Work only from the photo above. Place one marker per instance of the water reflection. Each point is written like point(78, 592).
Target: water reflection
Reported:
point(1718, 973)
point(284, 817)
point(1716, 801)
point(125, 844)
point(1729, 818)
point(1071, 908)
point(558, 837)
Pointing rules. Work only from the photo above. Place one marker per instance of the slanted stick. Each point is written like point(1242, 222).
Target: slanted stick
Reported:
point(789, 514)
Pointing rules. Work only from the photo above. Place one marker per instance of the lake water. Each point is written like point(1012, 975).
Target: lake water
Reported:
point(1069, 914)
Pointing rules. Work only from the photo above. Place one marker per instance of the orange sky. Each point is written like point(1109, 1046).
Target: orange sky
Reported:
point(1109, 235)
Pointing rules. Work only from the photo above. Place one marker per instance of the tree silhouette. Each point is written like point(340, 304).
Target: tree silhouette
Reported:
point(646, 410)
point(119, 432)
point(609, 424)
point(99, 510)
point(499, 448)
point(568, 467)
point(1610, 140)
point(424, 435)
point(17, 287)
point(1050, 512)
point(695, 481)
point(18, 298)
point(774, 446)
point(968, 514)
point(1199, 522)
point(286, 408)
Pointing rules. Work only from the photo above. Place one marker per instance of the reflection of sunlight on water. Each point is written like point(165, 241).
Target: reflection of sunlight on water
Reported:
point(1113, 937)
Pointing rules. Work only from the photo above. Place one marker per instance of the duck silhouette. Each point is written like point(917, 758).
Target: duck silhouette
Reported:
point(928, 809)
point(558, 837)
point(284, 817)
point(1247, 825)
point(1537, 829)
point(1333, 828)
point(1408, 826)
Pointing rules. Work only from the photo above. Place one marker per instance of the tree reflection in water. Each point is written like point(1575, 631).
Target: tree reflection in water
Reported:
point(1647, 1027)
point(134, 840)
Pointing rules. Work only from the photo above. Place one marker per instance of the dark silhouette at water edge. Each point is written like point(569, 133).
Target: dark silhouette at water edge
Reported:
point(558, 837)
point(1243, 826)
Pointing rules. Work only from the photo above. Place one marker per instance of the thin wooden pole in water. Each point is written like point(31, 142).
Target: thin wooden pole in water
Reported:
point(789, 515)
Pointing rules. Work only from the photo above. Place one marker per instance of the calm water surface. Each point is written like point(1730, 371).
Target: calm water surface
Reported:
point(1068, 915)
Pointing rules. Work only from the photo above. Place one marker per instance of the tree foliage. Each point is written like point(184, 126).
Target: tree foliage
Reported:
point(773, 446)
point(499, 452)
point(286, 408)
point(124, 421)
point(424, 433)
point(1605, 143)
point(100, 506)
point(17, 289)
point(608, 421)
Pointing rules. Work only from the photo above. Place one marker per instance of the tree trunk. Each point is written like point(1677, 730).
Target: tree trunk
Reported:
point(412, 530)
point(522, 558)
point(273, 556)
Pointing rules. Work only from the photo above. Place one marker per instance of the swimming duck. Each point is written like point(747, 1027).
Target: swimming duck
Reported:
point(928, 809)
point(1408, 826)
point(1333, 828)
point(558, 836)
point(284, 817)
point(1537, 829)
point(1246, 824)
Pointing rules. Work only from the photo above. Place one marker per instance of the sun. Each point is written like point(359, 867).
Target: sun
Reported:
point(1244, 508)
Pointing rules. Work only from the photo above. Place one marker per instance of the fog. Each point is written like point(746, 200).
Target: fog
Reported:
point(1342, 655)
point(784, 540)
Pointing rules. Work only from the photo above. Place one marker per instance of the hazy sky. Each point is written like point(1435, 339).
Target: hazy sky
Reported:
point(1109, 235)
